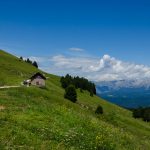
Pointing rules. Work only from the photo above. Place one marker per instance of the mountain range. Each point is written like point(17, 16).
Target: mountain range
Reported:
point(126, 93)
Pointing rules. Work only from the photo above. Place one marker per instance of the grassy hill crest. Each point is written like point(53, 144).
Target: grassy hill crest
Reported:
point(35, 118)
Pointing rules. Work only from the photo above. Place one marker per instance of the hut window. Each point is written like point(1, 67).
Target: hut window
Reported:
point(37, 83)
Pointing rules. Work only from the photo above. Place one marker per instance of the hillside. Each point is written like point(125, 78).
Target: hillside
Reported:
point(13, 70)
point(35, 118)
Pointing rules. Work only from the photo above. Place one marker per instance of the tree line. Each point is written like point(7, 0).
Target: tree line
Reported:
point(143, 113)
point(70, 84)
point(34, 63)
point(81, 83)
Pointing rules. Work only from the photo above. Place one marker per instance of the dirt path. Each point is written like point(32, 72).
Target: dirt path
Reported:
point(7, 87)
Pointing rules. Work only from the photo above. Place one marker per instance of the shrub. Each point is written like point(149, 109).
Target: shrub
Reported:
point(99, 110)
point(143, 113)
point(70, 93)
point(137, 113)
point(146, 116)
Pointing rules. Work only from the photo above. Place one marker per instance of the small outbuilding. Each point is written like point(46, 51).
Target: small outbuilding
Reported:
point(38, 79)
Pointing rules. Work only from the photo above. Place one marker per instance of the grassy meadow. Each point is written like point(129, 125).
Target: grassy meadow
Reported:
point(35, 118)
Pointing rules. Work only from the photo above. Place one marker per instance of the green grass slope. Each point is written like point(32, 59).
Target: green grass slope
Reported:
point(34, 118)
point(13, 70)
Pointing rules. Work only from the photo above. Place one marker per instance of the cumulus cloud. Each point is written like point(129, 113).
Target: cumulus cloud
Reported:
point(106, 68)
point(76, 49)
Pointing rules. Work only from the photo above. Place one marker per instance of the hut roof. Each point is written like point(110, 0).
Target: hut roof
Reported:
point(38, 74)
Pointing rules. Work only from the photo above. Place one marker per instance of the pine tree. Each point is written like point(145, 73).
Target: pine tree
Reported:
point(91, 93)
point(21, 58)
point(70, 93)
point(29, 61)
point(35, 64)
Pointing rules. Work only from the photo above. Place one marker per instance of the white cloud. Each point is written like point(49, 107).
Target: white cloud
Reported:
point(104, 69)
point(38, 59)
point(76, 49)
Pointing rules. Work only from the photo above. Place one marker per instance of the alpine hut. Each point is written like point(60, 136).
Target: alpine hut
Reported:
point(38, 79)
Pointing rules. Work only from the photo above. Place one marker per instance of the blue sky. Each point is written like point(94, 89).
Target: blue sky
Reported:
point(44, 28)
